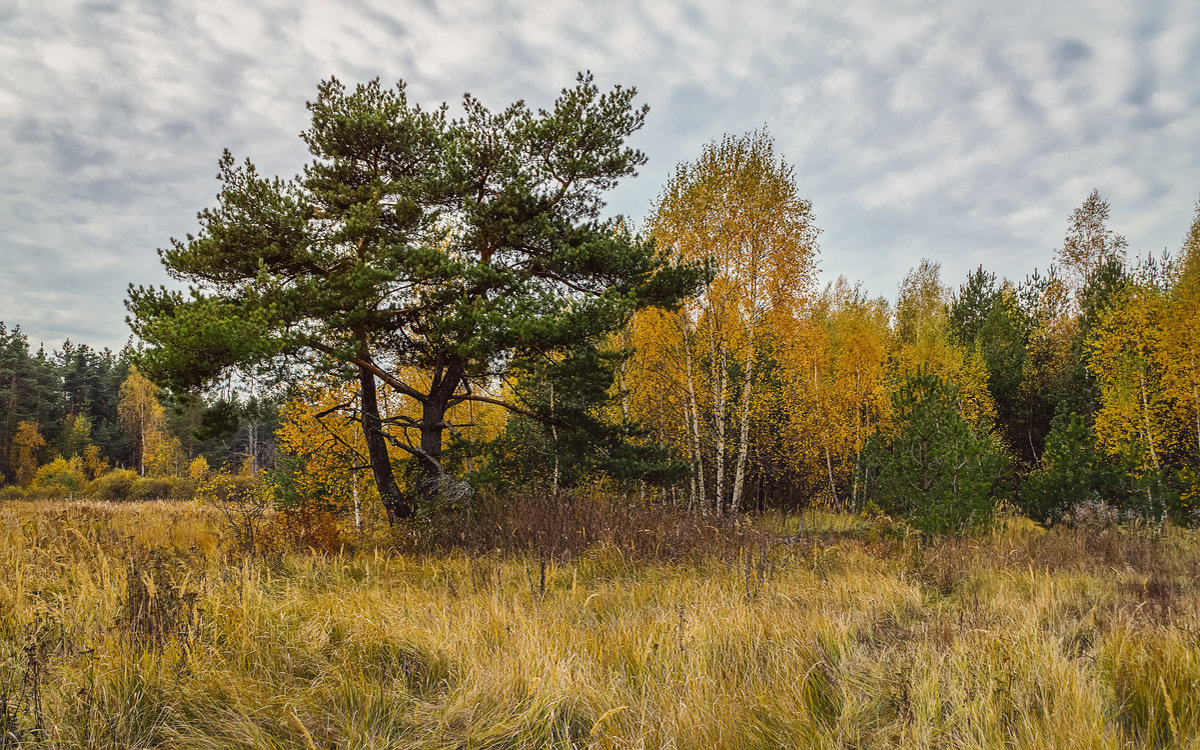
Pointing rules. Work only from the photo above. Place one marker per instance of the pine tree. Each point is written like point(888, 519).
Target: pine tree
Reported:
point(411, 240)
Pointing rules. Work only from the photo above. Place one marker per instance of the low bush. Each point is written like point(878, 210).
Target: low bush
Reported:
point(114, 486)
point(60, 472)
point(50, 492)
point(566, 524)
point(243, 502)
point(1075, 474)
point(183, 489)
point(151, 488)
point(11, 492)
point(934, 469)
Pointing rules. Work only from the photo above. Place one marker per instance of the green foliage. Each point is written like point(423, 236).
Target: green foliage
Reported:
point(576, 432)
point(971, 305)
point(60, 472)
point(1074, 472)
point(1002, 340)
point(921, 304)
point(933, 467)
point(30, 391)
point(450, 247)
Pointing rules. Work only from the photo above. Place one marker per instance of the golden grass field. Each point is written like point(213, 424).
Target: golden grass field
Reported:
point(132, 625)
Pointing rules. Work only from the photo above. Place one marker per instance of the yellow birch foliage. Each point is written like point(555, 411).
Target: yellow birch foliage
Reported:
point(321, 428)
point(1052, 331)
point(94, 464)
point(657, 377)
point(1180, 355)
point(836, 394)
point(924, 341)
point(164, 455)
point(198, 470)
point(1089, 243)
point(1126, 358)
point(738, 206)
point(77, 436)
point(27, 444)
point(1145, 354)
point(139, 412)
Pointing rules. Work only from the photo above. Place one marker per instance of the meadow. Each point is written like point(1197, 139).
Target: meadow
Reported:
point(141, 625)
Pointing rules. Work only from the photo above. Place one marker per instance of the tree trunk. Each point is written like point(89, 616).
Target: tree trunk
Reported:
point(739, 471)
point(554, 444)
point(698, 460)
point(398, 506)
point(719, 409)
point(433, 425)
point(1146, 421)
point(832, 486)
point(358, 526)
point(1195, 396)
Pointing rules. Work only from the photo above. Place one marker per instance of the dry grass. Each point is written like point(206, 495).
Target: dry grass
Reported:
point(132, 626)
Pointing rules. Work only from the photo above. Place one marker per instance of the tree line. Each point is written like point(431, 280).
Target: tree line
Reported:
point(438, 306)
point(78, 413)
point(1073, 386)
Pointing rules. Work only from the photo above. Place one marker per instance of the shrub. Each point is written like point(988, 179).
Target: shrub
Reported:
point(60, 472)
point(50, 492)
point(151, 488)
point(12, 492)
point(183, 489)
point(113, 486)
point(198, 469)
point(302, 528)
point(243, 502)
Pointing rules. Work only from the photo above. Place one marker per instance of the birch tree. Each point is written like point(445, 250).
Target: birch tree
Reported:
point(737, 205)
point(140, 413)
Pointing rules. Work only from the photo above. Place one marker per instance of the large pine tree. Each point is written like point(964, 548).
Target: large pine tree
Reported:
point(455, 246)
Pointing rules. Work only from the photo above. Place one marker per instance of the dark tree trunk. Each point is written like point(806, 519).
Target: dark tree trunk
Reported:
point(433, 426)
point(398, 506)
point(433, 416)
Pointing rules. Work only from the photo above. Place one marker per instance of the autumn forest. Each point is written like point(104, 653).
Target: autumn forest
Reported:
point(1076, 385)
point(421, 449)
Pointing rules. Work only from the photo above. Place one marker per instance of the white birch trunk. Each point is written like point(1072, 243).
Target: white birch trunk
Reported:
point(357, 508)
point(719, 416)
point(698, 493)
point(739, 472)
point(554, 436)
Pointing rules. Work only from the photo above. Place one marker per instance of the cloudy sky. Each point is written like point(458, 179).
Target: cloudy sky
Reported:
point(963, 131)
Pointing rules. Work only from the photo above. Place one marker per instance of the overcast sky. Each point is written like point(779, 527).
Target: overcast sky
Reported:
point(965, 132)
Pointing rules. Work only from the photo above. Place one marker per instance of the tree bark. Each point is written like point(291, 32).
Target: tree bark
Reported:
point(832, 485)
point(398, 506)
point(739, 472)
point(446, 380)
point(719, 415)
point(698, 460)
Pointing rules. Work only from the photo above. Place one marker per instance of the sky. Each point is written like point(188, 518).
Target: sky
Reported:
point(963, 131)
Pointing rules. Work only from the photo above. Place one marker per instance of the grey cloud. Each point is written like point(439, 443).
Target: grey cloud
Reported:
point(966, 136)
point(1068, 54)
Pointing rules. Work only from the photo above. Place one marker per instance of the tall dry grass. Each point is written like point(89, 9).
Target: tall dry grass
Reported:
point(136, 626)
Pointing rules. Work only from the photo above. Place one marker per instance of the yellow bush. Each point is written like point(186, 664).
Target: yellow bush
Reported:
point(60, 472)
point(112, 486)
